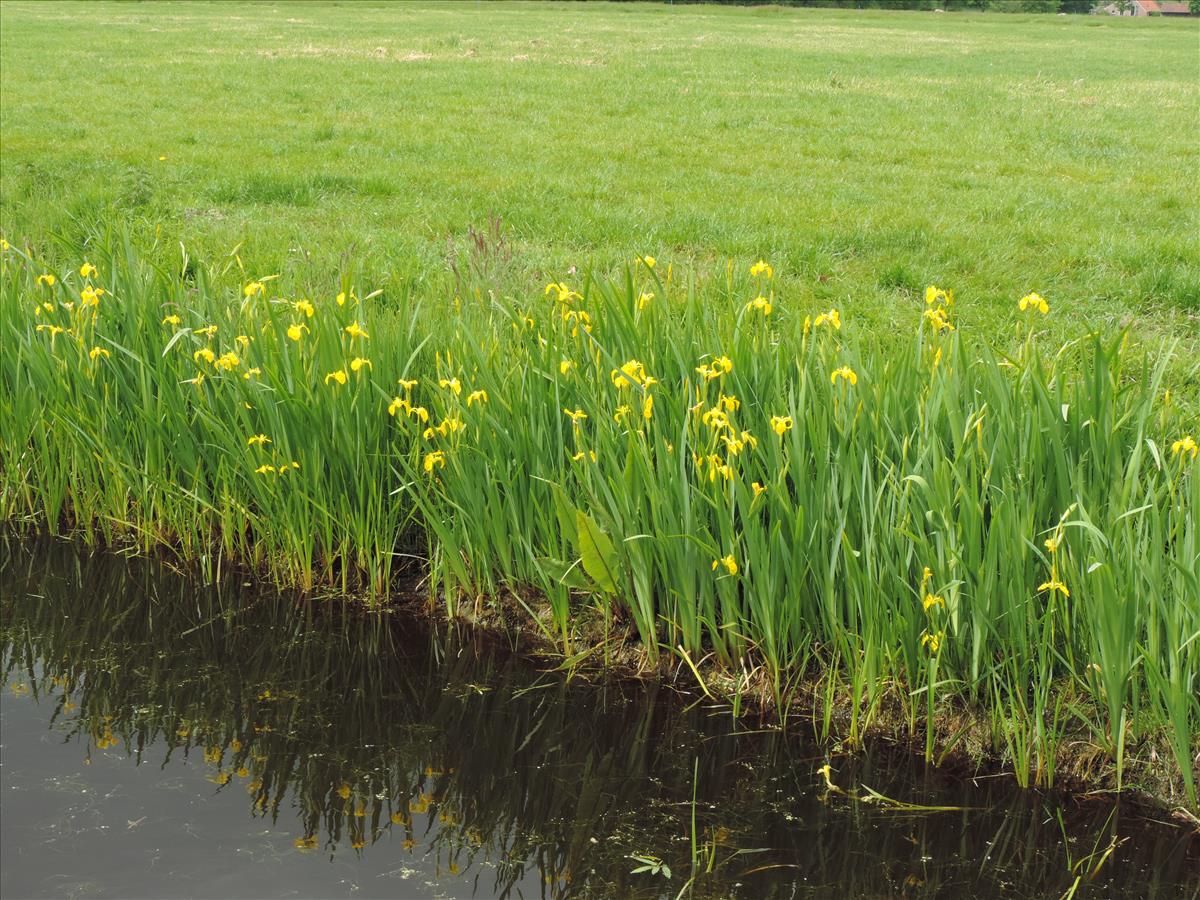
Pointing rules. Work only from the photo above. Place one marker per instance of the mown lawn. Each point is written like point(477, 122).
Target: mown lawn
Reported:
point(865, 154)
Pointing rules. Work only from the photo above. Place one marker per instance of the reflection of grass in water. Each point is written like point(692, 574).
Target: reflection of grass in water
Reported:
point(547, 781)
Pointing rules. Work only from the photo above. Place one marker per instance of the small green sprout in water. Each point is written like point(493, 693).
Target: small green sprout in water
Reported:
point(651, 864)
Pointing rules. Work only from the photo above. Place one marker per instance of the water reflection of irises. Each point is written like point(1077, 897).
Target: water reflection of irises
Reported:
point(371, 728)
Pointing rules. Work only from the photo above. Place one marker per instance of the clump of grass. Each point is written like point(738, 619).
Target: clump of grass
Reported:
point(718, 472)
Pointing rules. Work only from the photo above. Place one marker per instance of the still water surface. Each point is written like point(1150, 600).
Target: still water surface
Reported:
point(166, 738)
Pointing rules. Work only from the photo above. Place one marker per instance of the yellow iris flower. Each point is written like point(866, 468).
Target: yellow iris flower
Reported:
point(844, 372)
point(227, 361)
point(1184, 446)
point(727, 562)
point(832, 318)
point(935, 296)
point(563, 293)
point(631, 372)
point(937, 318)
point(732, 445)
point(1054, 585)
point(760, 303)
point(722, 365)
point(1033, 301)
point(447, 427)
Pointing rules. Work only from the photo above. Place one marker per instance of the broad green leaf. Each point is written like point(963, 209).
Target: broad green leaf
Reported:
point(597, 552)
point(566, 574)
point(565, 510)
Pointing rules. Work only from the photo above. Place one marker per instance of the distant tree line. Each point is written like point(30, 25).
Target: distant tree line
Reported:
point(1042, 6)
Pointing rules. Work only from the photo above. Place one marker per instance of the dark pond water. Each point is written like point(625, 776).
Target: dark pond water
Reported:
point(164, 738)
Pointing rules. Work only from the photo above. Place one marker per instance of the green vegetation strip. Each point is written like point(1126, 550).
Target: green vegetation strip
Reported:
point(926, 527)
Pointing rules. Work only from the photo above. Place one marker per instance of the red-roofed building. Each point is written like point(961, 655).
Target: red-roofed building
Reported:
point(1148, 8)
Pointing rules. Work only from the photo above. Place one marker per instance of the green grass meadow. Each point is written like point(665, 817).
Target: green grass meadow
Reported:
point(866, 154)
point(822, 483)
